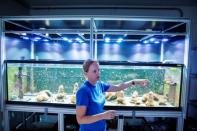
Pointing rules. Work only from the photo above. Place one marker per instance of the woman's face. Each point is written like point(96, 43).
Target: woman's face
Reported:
point(93, 73)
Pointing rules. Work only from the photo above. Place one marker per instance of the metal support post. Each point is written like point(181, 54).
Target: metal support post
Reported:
point(6, 120)
point(60, 122)
point(120, 122)
point(180, 124)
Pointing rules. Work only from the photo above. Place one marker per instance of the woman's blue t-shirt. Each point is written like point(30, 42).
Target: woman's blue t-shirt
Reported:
point(93, 97)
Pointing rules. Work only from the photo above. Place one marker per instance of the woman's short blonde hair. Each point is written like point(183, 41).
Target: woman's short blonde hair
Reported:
point(87, 63)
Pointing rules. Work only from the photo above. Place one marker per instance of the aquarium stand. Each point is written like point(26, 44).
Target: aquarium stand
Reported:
point(121, 114)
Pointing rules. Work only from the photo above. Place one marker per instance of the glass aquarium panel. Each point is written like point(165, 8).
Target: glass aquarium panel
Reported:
point(54, 82)
point(43, 82)
point(163, 89)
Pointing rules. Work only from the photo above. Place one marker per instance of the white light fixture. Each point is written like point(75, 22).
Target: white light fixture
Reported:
point(145, 41)
point(152, 39)
point(37, 38)
point(107, 39)
point(25, 38)
point(82, 22)
point(24, 34)
point(45, 40)
point(164, 39)
point(119, 40)
point(47, 22)
point(125, 35)
point(65, 38)
point(79, 40)
point(156, 42)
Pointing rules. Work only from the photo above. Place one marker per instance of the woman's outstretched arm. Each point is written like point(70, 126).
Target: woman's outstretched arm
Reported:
point(122, 86)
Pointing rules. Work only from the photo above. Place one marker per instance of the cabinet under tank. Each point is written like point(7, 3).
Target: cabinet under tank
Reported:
point(56, 82)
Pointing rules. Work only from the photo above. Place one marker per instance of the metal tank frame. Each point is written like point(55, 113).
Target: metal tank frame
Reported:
point(180, 115)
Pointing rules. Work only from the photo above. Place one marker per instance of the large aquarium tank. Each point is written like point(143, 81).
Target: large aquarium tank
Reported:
point(56, 82)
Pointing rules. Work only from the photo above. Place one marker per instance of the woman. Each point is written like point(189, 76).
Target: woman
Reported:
point(91, 98)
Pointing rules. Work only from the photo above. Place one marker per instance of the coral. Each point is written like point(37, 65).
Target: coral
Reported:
point(111, 96)
point(43, 96)
point(61, 93)
point(120, 100)
point(120, 94)
point(75, 88)
point(73, 99)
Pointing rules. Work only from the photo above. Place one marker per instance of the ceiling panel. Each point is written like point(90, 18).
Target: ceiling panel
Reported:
point(102, 3)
